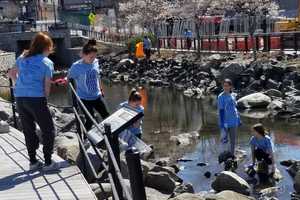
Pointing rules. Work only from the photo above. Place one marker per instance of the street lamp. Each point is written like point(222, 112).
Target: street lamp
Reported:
point(54, 11)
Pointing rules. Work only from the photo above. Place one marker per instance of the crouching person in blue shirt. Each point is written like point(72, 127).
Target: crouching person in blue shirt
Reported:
point(261, 147)
point(32, 76)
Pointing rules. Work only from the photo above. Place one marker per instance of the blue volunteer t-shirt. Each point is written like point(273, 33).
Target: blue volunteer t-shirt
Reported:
point(135, 130)
point(31, 77)
point(188, 34)
point(264, 143)
point(87, 78)
point(227, 102)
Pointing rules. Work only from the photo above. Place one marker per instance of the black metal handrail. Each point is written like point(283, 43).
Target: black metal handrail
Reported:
point(114, 162)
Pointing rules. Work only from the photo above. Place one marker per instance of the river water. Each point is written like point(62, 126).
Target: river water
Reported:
point(168, 112)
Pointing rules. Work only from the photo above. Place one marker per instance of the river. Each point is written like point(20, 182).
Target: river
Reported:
point(168, 112)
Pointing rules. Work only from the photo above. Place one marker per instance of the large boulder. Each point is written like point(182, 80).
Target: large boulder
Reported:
point(153, 194)
point(294, 168)
point(232, 71)
point(256, 100)
point(273, 93)
point(227, 180)
point(188, 196)
point(294, 103)
point(67, 146)
point(160, 181)
point(226, 195)
point(169, 170)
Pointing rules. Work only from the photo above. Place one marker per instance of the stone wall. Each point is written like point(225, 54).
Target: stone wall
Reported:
point(7, 60)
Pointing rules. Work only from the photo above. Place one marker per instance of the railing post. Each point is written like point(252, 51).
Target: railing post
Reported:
point(114, 143)
point(75, 105)
point(13, 106)
point(136, 175)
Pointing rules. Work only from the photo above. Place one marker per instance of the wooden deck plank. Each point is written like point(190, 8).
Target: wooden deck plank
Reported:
point(17, 183)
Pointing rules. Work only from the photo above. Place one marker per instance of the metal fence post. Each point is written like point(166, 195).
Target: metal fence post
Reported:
point(114, 142)
point(13, 106)
point(136, 175)
point(75, 105)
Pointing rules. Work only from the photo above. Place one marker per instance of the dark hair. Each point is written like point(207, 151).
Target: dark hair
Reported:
point(40, 43)
point(90, 47)
point(134, 96)
point(228, 81)
point(260, 129)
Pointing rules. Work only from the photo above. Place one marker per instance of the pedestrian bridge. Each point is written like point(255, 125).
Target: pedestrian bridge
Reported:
point(17, 183)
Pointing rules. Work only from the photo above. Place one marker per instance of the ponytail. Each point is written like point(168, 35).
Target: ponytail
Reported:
point(90, 47)
point(134, 96)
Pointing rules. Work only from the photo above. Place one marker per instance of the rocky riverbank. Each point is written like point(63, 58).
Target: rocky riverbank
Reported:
point(272, 84)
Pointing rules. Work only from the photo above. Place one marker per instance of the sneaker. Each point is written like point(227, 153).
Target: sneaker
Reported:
point(37, 165)
point(52, 167)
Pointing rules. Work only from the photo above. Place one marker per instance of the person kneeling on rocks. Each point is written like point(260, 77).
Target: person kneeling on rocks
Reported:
point(261, 148)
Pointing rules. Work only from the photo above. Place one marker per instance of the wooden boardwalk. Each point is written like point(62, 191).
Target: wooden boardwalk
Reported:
point(16, 182)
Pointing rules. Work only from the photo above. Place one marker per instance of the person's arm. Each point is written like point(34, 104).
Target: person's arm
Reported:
point(221, 111)
point(47, 86)
point(271, 156)
point(13, 73)
point(252, 155)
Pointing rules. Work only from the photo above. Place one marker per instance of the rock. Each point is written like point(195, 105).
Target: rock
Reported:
point(255, 114)
point(163, 162)
point(4, 127)
point(214, 57)
point(103, 193)
point(184, 160)
point(232, 71)
point(271, 84)
point(230, 181)
point(226, 195)
point(297, 182)
point(273, 93)
point(169, 170)
point(294, 103)
point(189, 92)
point(188, 196)
point(207, 174)
point(276, 105)
point(183, 188)
point(201, 164)
point(5, 110)
point(287, 163)
point(256, 100)
point(153, 194)
point(185, 138)
point(294, 168)
point(67, 146)
point(175, 167)
point(160, 181)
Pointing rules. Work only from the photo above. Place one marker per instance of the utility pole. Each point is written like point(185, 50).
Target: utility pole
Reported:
point(54, 11)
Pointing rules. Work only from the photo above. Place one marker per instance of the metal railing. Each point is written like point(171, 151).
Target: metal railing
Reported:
point(119, 189)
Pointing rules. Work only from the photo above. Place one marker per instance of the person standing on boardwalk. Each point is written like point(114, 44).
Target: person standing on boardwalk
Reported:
point(86, 73)
point(188, 37)
point(32, 76)
point(229, 119)
point(147, 47)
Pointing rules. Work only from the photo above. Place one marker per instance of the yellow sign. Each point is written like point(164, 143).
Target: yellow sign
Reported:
point(92, 18)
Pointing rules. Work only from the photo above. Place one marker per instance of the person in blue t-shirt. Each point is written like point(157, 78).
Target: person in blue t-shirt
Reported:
point(135, 101)
point(32, 76)
point(261, 146)
point(229, 119)
point(86, 73)
point(188, 36)
point(147, 47)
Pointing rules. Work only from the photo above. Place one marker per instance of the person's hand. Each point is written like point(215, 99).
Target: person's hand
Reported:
point(61, 81)
point(225, 125)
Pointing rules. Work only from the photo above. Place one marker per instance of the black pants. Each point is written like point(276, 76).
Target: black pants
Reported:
point(261, 155)
point(188, 43)
point(31, 110)
point(147, 53)
point(98, 105)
